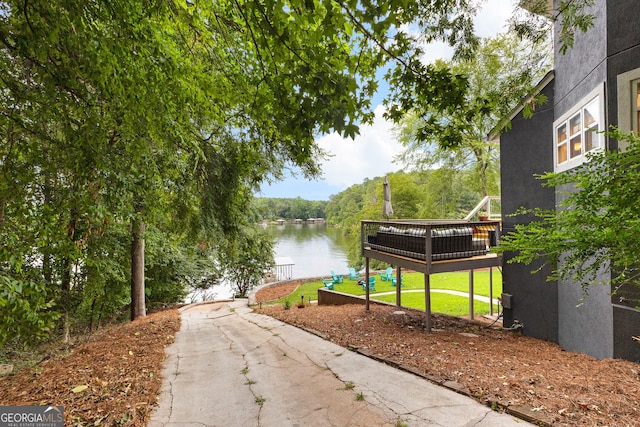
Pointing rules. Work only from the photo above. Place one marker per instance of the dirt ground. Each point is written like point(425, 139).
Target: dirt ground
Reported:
point(114, 377)
point(111, 379)
point(498, 367)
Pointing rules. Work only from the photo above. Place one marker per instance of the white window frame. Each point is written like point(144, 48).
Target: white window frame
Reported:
point(577, 138)
point(627, 103)
point(634, 105)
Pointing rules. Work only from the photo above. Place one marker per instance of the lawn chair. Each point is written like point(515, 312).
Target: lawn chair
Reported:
point(328, 283)
point(393, 281)
point(372, 284)
point(337, 278)
point(353, 275)
point(387, 275)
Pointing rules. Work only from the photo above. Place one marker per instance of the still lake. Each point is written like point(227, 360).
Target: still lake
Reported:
point(315, 249)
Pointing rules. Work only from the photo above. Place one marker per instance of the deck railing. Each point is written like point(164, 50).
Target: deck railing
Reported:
point(447, 239)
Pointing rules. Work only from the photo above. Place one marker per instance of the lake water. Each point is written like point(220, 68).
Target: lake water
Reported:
point(315, 249)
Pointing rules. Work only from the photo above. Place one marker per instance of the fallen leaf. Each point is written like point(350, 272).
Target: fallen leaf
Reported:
point(79, 388)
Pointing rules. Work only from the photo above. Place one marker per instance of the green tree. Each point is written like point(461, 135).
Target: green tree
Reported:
point(247, 258)
point(573, 16)
point(594, 233)
point(115, 115)
point(119, 113)
point(502, 71)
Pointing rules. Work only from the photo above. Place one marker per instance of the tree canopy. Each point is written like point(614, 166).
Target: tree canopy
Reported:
point(133, 128)
point(502, 71)
point(156, 117)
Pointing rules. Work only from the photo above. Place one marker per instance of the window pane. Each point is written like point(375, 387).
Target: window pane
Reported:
point(636, 115)
point(591, 113)
point(591, 139)
point(562, 153)
point(576, 146)
point(574, 124)
point(562, 133)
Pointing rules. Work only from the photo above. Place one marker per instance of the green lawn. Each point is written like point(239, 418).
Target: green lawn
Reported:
point(440, 303)
point(309, 290)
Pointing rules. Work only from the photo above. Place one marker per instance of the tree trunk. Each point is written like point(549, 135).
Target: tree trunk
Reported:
point(138, 308)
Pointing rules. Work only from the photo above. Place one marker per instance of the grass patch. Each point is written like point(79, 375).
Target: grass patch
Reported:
point(440, 303)
point(456, 281)
point(309, 290)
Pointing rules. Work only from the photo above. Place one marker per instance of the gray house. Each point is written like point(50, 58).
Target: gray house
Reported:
point(594, 85)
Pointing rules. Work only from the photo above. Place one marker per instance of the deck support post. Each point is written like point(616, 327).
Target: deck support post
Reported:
point(471, 294)
point(398, 285)
point(491, 291)
point(366, 284)
point(427, 301)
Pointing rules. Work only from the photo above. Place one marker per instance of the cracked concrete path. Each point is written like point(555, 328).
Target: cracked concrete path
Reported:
point(232, 367)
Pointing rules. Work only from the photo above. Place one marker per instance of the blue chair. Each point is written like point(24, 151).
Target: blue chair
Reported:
point(337, 278)
point(353, 275)
point(372, 284)
point(387, 275)
point(328, 283)
point(393, 281)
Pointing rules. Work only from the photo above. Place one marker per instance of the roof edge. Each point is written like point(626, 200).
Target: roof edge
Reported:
point(491, 136)
point(538, 7)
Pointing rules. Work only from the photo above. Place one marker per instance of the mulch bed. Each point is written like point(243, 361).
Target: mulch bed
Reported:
point(500, 368)
point(113, 379)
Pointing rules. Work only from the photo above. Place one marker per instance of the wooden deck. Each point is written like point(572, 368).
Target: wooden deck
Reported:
point(426, 265)
point(443, 266)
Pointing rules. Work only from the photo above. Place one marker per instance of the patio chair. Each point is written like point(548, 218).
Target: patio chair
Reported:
point(393, 281)
point(328, 283)
point(387, 275)
point(337, 278)
point(353, 275)
point(372, 284)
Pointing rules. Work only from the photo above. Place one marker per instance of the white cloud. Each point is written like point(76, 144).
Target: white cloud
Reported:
point(371, 154)
point(492, 19)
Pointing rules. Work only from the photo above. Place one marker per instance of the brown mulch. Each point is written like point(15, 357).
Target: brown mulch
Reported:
point(112, 379)
point(500, 368)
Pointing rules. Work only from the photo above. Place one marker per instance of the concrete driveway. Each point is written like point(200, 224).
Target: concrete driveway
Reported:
point(232, 367)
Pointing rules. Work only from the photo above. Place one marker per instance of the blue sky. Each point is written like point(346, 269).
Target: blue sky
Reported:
point(372, 153)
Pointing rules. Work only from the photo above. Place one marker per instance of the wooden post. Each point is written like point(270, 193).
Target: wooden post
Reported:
point(491, 290)
point(138, 308)
point(427, 301)
point(366, 284)
point(398, 291)
point(471, 294)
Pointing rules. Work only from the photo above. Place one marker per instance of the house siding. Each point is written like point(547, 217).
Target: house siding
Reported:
point(524, 152)
point(595, 322)
point(623, 55)
point(583, 67)
point(585, 321)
